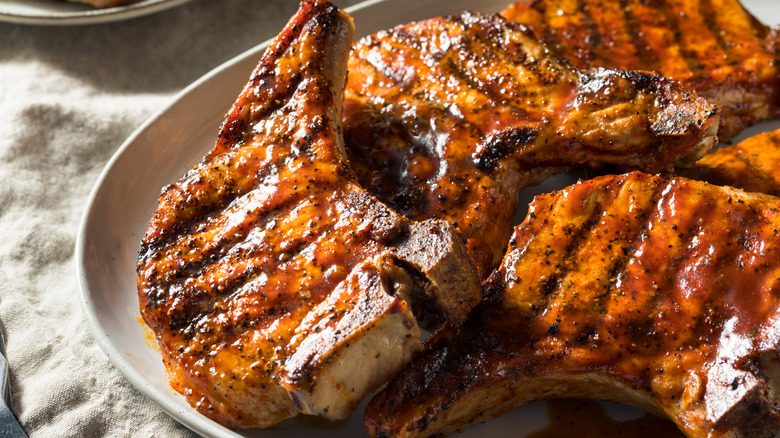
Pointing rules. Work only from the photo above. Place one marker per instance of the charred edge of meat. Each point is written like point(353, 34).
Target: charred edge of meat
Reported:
point(643, 81)
point(408, 199)
point(411, 285)
point(492, 288)
point(757, 410)
point(768, 364)
point(501, 145)
point(596, 79)
point(679, 123)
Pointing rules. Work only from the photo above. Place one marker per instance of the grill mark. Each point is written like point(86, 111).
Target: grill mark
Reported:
point(215, 257)
point(674, 27)
point(759, 174)
point(741, 28)
point(641, 238)
point(738, 161)
point(619, 267)
point(552, 284)
point(472, 84)
point(508, 57)
point(188, 193)
point(228, 291)
point(677, 259)
point(477, 83)
point(544, 23)
point(541, 30)
point(279, 49)
point(579, 54)
point(751, 58)
point(564, 77)
point(183, 238)
point(267, 100)
point(255, 259)
point(596, 303)
point(409, 41)
point(216, 217)
point(649, 24)
point(206, 302)
point(533, 67)
point(502, 145)
point(704, 44)
point(252, 266)
point(592, 38)
point(521, 244)
point(728, 258)
point(606, 30)
point(685, 242)
point(641, 47)
point(167, 234)
point(711, 24)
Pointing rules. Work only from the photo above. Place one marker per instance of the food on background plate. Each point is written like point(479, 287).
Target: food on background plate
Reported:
point(273, 282)
point(453, 117)
point(662, 293)
point(752, 165)
point(98, 3)
point(716, 48)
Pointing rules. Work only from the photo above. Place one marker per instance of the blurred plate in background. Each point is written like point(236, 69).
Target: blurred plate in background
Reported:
point(64, 13)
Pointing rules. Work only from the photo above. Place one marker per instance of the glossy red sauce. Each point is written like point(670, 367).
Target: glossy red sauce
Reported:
point(589, 419)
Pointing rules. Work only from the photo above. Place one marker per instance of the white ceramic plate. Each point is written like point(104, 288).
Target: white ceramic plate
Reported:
point(158, 153)
point(62, 13)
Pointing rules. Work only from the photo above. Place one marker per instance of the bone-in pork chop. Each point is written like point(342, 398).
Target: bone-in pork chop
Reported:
point(273, 282)
point(452, 117)
point(715, 47)
point(752, 165)
point(662, 293)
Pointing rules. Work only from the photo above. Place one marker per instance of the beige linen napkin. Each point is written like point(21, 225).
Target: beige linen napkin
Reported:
point(69, 96)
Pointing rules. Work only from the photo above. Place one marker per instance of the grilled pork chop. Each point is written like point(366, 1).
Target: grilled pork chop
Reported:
point(273, 282)
point(715, 47)
point(662, 293)
point(452, 117)
point(752, 165)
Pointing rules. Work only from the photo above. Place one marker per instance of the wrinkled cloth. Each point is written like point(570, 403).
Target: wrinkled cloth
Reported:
point(69, 97)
